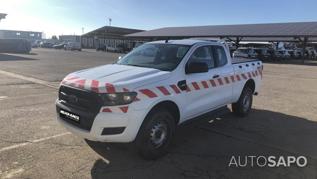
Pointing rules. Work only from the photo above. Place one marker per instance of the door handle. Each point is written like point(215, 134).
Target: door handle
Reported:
point(182, 85)
point(215, 76)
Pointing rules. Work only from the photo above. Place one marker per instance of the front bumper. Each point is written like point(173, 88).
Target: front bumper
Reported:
point(130, 121)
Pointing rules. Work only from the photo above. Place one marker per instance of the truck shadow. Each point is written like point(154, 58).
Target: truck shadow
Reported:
point(7, 57)
point(203, 149)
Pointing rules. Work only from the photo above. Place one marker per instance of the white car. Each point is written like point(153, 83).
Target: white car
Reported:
point(72, 46)
point(245, 53)
point(312, 53)
point(154, 88)
point(298, 53)
point(285, 54)
point(262, 52)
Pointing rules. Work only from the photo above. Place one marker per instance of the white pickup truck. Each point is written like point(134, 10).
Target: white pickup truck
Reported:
point(144, 95)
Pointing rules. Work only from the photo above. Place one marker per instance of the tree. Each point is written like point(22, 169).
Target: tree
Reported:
point(54, 37)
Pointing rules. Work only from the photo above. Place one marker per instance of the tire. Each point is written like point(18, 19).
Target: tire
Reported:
point(243, 106)
point(155, 134)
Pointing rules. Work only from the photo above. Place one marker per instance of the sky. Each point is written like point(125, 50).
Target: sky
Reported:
point(64, 17)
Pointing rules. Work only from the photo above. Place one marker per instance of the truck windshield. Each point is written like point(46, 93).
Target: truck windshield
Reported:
point(163, 57)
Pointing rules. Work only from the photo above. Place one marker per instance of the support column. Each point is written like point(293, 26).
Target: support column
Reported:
point(237, 42)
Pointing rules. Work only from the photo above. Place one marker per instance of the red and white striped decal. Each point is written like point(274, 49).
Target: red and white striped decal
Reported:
point(149, 93)
point(163, 90)
point(173, 89)
point(227, 80)
point(220, 81)
point(95, 86)
point(205, 84)
point(110, 88)
point(213, 83)
point(195, 85)
point(115, 109)
point(232, 79)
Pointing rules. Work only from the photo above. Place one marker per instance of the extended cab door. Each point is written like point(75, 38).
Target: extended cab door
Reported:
point(222, 75)
point(208, 90)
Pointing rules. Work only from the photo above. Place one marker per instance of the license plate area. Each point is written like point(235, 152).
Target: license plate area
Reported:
point(70, 116)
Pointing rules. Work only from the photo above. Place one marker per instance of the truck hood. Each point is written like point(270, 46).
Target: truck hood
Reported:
point(118, 77)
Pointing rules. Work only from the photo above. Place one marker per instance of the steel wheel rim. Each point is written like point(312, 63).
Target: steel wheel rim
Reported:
point(158, 134)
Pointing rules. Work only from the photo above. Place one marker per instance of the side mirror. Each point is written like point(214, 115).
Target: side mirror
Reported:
point(196, 67)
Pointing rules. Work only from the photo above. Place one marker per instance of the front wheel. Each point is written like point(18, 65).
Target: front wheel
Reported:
point(243, 106)
point(155, 134)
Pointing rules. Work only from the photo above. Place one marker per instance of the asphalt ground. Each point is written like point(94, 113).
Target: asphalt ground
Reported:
point(34, 145)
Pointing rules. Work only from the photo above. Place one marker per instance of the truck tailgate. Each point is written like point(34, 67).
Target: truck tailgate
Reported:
point(236, 60)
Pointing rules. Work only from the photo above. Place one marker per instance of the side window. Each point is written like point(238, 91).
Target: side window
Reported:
point(203, 54)
point(220, 56)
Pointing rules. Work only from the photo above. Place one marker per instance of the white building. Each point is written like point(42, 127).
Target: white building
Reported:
point(18, 34)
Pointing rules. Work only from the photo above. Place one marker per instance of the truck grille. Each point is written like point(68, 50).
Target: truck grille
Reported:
point(84, 103)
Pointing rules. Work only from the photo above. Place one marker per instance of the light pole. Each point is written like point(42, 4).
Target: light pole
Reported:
point(110, 20)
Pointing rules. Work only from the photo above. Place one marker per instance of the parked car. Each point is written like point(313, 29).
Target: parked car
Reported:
point(245, 52)
point(101, 48)
point(298, 53)
point(262, 53)
point(73, 46)
point(36, 44)
point(311, 52)
point(112, 49)
point(122, 48)
point(59, 46)
point(283, 54)
point(142, 98)
point(46, 45)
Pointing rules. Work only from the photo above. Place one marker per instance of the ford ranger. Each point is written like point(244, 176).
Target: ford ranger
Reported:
point(142, 97)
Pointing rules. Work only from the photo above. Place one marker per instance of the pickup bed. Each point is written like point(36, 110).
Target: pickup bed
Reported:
point(144, 95)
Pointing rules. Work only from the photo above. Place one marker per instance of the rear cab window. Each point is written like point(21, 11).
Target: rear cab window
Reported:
point(220, 56)
point(203, 54)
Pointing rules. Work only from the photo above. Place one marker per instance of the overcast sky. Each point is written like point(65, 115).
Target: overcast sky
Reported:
point(56, 17)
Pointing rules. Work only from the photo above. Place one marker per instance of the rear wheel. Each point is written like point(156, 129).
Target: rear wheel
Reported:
point(155, 134)
point(243, 106)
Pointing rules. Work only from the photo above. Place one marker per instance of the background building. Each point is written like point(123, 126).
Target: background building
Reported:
point(111, 37)
point(70, 38)
point(17, 34)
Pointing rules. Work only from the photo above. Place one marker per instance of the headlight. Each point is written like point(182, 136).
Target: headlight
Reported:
point(113, 99)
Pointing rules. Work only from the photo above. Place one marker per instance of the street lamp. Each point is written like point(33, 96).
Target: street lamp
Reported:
point(110, 20)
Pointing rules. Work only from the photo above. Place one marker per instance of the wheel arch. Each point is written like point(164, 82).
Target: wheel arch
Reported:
point(250, 83)
point(166, 104)
point(170, 106)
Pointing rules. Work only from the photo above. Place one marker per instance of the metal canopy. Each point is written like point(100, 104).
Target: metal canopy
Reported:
point(292, 30)
point(110, 31)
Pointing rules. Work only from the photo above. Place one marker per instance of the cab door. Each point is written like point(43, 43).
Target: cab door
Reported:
point(223, 75)
point(208, 90)
point(199, 92)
